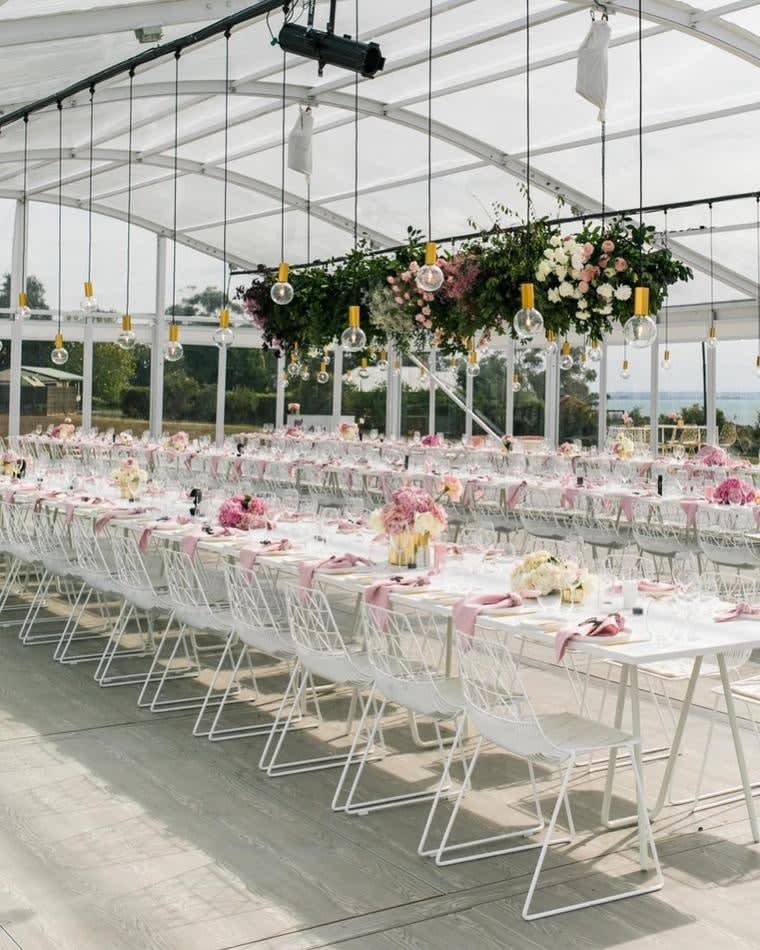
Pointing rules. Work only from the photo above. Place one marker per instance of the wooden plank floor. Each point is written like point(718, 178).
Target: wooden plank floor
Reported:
point(118, 830)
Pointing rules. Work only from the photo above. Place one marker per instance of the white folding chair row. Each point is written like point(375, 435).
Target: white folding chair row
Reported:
point(728, 535)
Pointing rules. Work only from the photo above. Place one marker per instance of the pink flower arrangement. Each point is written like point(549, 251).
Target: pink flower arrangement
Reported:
point(567, 448)
point(348, 431)
point(460, 274)
point(451, 488)
point(734, 491)
point(293, 432)
point(713, 455)
point(243, 511)
point(64, 430)
point(294, 407)
point(627, 420)
point(432, 441)
point(179, 441)
point(410, 509)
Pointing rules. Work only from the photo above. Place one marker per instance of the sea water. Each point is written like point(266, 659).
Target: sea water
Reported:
point(742, 408)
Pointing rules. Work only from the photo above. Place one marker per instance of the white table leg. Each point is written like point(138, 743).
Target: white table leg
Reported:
point(740, 760)
point(636, 730)
point(624, 674)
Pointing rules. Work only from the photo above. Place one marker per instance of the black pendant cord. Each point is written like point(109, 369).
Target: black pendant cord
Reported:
point(129, 187)
point(757, 242)
point(226, 162)
point(429, 124)
point(641, 141)
point(176, 176)
point(26, 203)
point(527, 141)
point(90, 185)
point(356, 136)
point(282, 158)
point(712, 271)
point(308, 218)
point(59, 106)
point(665, 244)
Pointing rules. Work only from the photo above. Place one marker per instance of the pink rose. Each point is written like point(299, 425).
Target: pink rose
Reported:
point(407, 297)
point(604, 260)
point(620, 264)
point(419, 318)
point(587, 274)
point(426, 311)
point(399, 301)
point(427, 297)
point(391, 280)
point(608, 246)
point(583, 286)
point(428, 324)
point(588, 249)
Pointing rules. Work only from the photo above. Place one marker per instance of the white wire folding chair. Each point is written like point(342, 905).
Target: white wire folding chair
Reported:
point(727, 535)
point(660, 529)
point(500, 707)
point(543, 515)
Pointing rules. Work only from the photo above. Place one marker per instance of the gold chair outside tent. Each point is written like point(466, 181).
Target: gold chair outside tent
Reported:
point(727, 435)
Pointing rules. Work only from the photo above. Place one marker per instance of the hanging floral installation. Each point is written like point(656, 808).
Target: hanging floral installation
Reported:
point(584, 283)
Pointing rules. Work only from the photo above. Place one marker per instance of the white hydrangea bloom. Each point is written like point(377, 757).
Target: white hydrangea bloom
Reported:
point(565, 289)
point(623, 292)
point(605, 291)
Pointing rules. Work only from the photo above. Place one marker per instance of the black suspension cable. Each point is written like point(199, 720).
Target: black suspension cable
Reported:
point(282, 159)
point(641, 138)
point(356, 139)
point(226, 160)
point(430, 124)
point(665, 243)
point(90, 175)
point(59, 105)
point(757, 242)
point(176, 175)
point(26, 208)
point(129, 186)
point(712, 271)
point(527, 120)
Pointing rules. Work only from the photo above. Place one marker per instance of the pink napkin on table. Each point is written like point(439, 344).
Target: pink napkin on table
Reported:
point(248, 555)
point(295, 515)
point(647, 587)
point(190, 541)
point(689, 507)
point(626, 506)
point(466, 611)
point(607, 626)
point(568, 496)
point(147, 532)
point(71, 506)
point(378, 593)
point(515, 495)
point(336, 562)
point(46, 496)
point(214, 465)
point(347, 525)
point(108, 516)
point(740, 610)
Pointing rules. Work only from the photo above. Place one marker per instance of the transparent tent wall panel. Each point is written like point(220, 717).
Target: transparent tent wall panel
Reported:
point(47, 402)
point(529, 400)
point(363, 399)
point(190, 392)
point(250, 390)
point(579, 401)
point(738, 397)
point(120, 388)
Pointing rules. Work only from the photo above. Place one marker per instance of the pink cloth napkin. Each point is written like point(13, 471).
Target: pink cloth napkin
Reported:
point(378, 593)
point(740, 610)
point(295, 515)
point(607, 626)
point(108, 516)
point(336, 562)
point(626, 506)
point(147, 532)
point(248, 555)
point(647, 587)
point(190, 541)
point(466, 611)
point(346, 525)
point(568, 496)
point(690, 509)
point(515, 495)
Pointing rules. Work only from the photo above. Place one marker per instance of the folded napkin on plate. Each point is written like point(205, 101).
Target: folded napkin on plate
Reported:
point(466, 611)
point(740, 610)
point(295, 515)
point(190, 541)
point(336, 562)
point(248, 555)
point(147, 532)
point(347, 525)
point(377, 594)
point(108, 516)
point(647, 587)
point(607, 626)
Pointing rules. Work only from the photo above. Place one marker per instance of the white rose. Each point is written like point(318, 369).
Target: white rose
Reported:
point(582, 303)
point(426, 523)
point(605, 311)
point(623, 292)
point(609, 272)
point(543, 270)
point(553, 295)
point(548, 253)
point(581, 315)
point(376, 521)
point(605, 291)
point(565, 289)
point(575, 273)
point(561, 272)
point(577, 261)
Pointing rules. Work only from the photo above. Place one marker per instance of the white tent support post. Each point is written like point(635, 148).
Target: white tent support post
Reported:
point(391, 419)
point(601, 438)
point(337, 381)
point(14, 394)
point(466, 407)
point(87, 374)
point(711, 407)
point(654, 399)
point(469, 398)
point(221, 389)
point(432, 362)
point(156, 354)
point(551, 400)
point(279, 388)
point(509, 415)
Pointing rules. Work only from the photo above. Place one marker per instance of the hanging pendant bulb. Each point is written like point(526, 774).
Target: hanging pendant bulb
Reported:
point(539, 361)
point(223, 335)
point(430, 276)
point(424, 382)
point(22, 311)
point(382, 363)
point(528, 321)
point(348, 377)
point(294, 366)
point(583, 359)
point(364, 369)
point(126, 339)
point(397, 367)
point(665, 361)
point(551, 343)
point(640, 330)
point(173, 351)
point(712, 338)
point(282, 292)
point(323, 376)
point(59, 355)
point(595, 352)
point(473, 367)
point(516, 384)
point(566, 356)
point(305, 374)
point(89, 303)
point(353, 337)
point(625, 371)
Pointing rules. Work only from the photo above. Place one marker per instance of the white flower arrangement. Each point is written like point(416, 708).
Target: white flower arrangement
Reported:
point(546, 573)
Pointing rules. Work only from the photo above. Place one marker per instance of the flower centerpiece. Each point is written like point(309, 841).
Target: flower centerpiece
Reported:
point(63, 431)
point(129, 477)
point(734, 491)
point(713, 456)
point(432, 441)
point(125, 438)
point(348, 431)
point(293, 432)
point(623, 447)
point(545, 573)
point(567, 449)
point(627, 420)
point(10, 463)
point(178, 441)
point(410, 519)
point(294, 408)
point(243, 511)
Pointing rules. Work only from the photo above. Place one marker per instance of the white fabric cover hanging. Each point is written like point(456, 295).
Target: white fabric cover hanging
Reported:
point(592, 78)
point(299, 143)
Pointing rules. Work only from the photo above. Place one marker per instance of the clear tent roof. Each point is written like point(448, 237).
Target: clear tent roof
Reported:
point(701, 117)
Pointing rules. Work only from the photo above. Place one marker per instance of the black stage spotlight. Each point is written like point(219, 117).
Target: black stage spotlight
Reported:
point(331, 50)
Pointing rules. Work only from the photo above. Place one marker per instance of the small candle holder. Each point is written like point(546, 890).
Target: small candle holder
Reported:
point(573, 595)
